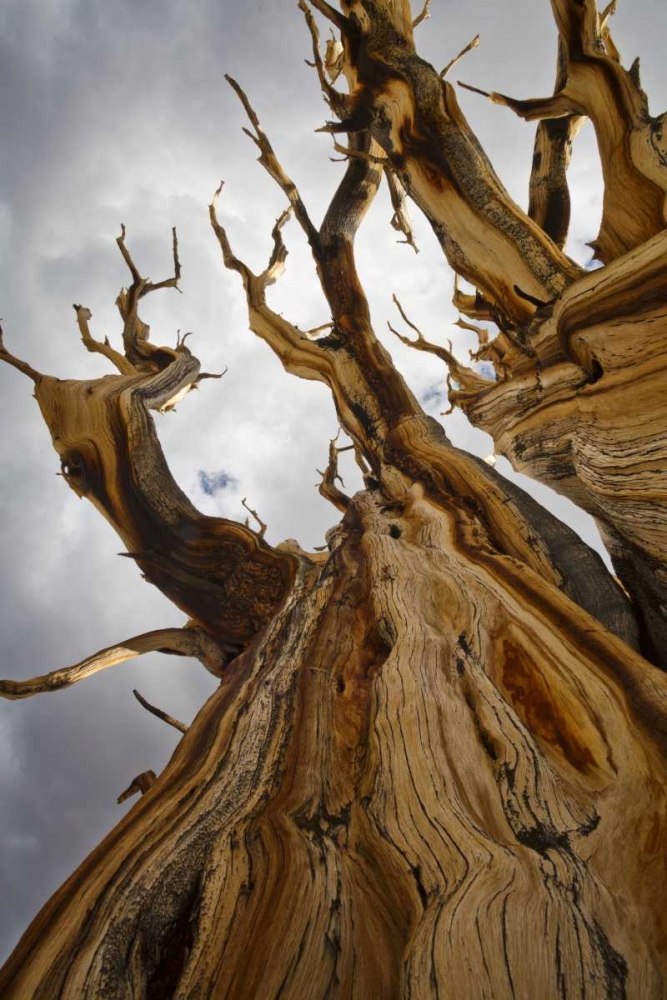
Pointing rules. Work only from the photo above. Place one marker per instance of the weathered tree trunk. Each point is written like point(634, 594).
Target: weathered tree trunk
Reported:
point(586, 415)
point(435, 765)
point(581, 373)
point(423, 779)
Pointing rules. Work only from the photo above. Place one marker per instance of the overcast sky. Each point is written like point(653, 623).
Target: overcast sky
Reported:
point(117, 111)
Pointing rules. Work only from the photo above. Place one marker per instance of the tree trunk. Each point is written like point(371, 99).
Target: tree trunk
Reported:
point(586, 415)
point(416, 782)
point(435, 765)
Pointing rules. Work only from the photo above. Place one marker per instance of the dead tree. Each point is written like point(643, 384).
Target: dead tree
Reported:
point(435, 764)
point(581, 377)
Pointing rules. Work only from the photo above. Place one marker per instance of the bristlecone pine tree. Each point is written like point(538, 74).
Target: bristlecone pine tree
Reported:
point(435, 763)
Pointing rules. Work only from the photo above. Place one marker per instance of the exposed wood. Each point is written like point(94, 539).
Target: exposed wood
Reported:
point(584, 412)
point(328, 488)
point(549, 203)
point(179, 641)
point(159, 714)
point(473, 44)
point(426, 824)
point(631, 142)
point(140, 784)
point(435, 765)
point(414, 116)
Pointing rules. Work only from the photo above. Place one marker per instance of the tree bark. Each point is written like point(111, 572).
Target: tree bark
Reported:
point(583, 411)
point(435, 764)
point(411, 769)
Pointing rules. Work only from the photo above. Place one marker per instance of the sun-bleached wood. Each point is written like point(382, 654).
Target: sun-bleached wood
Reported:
point(179, 641)
point(435, 765)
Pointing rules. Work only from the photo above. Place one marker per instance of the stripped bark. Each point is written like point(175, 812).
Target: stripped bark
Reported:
point(426, 744)
point(581, 408)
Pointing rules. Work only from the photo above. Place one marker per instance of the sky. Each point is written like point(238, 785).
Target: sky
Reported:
point(118, 112)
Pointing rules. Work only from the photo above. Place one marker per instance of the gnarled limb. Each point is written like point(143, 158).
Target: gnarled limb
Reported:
point(633, 153)
point(22, 366)
point(473, 44)
point(327, 487)
point(549, 203)
point(262, 526)
point(415, 117)
point(159, 714)
point(144, 356)
point(179, 641)
point(219, 572)
point(141, 784)
point(226, 578)
point(401, 218)
point(83, 315)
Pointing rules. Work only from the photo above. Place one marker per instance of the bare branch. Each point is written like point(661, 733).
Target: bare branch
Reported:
point(144, 356)
point(358, 154)
point(330, 13)
point(466, 377)
point(452, 62)
point(141, 783)
point(271, 164)
point(203, 375)
point(179, 641)
point(473, 306)
point(173, 281)
point(327, 487)
point(297, 352)
point(535, 108)
point(127, 257)
point(401, 220)
point(423, 15)
point(339, 103)
point(124, 366)
point(169, 719)
point(262, 526)
point(15, 362)
point(231, 261)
